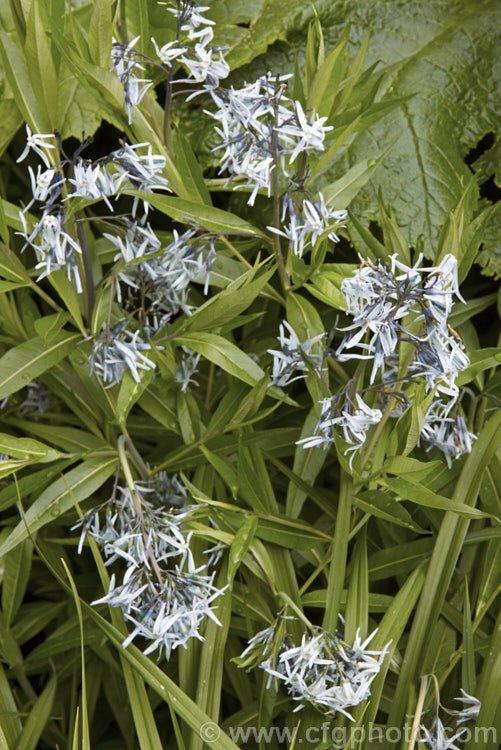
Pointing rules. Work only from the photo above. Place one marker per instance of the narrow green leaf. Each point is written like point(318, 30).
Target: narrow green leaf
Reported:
point(481, 360)
point(308, 463)
point(443, 561)
point(337, 568)
point(421, 495)
point(205, 216)
point(211, 661)
point(31, 359)
point(49, 326)
point(491, 577)
point(223, 469)
point(10, 723)
point(376, 249)
point(85, 717)
point(240, 545)
point(229, 303)
point(342, 192)
point(130, 392)
point(389, 633)
point(76, 484)
point(382, 505)
point(100, 34)
point(17, 74)
point(41, 65)
point(137, 22)
point(25, 448)
point(37, 719)
point(64, 288)
point(392, 561)
point(16, 573)
point(224, 354)
point(468, 677)
point(357, 603)
point(190, 168)
point(327, 78)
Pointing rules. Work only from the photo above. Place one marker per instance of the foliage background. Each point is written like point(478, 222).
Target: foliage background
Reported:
point(434, 163)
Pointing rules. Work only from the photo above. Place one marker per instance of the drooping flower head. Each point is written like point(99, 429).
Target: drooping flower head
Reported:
point(323, 671)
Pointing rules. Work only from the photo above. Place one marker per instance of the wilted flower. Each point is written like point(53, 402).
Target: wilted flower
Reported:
point(125, 65)
point(36, 402)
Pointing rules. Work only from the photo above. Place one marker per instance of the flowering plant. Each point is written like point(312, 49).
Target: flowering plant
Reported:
point(266, 424)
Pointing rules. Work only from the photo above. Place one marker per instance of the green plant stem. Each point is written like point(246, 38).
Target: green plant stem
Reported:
point(392, 402)
point(288, 601)
point(284, 276)
point(124, 440)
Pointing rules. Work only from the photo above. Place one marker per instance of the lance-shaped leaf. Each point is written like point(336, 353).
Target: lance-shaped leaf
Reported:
point(31, 359)
point(75, 485)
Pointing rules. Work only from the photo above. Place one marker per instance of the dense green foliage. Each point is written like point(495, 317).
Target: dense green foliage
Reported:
point(398, 538)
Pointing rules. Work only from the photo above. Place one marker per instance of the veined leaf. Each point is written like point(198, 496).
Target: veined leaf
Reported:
point(100, 33)
point(17, 567)
point(25, 448)
point(31, 359)
point(421, 495)
point(41, 65)
point(59, 497)
point(38, 717)
point(385, 506)
point(224, 354)
point(205, 216)
point(17, 73)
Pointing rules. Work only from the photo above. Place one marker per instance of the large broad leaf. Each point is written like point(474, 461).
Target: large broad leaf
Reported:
point(448, 65)
point(254, 26)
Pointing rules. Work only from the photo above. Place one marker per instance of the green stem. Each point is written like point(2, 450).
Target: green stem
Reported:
point(392, 402)
point(284, 276)
point(288, 601)
point(124, 440)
